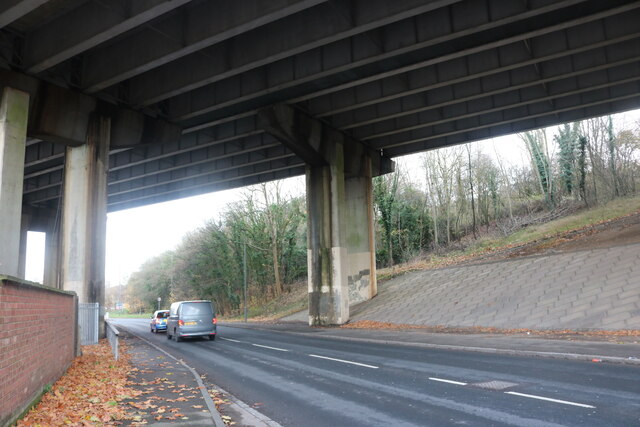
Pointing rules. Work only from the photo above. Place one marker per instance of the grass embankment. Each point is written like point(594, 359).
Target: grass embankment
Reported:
point(585, 218)
point(289, 303)
point(297, 299)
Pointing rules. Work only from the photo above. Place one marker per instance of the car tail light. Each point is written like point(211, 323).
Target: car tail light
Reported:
point(180, 322)
point(215, 320)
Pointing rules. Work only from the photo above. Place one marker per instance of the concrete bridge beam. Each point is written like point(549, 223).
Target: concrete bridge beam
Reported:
point(84, 215)
point(14, 110)
point(341, 249)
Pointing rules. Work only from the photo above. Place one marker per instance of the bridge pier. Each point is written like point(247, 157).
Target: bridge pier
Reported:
point(84, 215)
point(341, 249)
point(14, 110)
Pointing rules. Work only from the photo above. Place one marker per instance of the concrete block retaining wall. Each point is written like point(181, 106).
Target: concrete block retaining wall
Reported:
point(37, 341)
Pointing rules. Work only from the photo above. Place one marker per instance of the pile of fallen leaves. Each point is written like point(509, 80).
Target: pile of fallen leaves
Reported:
point(372, 324)
point(89, 393)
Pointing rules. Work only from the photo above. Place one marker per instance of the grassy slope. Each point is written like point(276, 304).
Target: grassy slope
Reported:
point(614, 209)
point(585, 218)
point(286, 304)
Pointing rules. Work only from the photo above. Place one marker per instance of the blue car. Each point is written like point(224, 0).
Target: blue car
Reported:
point(159, 321)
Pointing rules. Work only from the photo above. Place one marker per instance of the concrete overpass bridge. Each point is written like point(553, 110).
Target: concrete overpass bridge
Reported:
point(108, 105)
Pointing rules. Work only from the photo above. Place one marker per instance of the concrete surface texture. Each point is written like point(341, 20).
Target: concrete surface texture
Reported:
point(593, 289)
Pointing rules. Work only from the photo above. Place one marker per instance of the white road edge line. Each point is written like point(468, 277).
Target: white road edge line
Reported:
point(271, 348)
point(447, 381)
point(344, 361)
point(548, 399)
point(229, 339)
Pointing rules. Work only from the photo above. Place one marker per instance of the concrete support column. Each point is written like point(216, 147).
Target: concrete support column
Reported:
point(84, 215)
point(14, 110)
point(341, 247)
point(340, 235)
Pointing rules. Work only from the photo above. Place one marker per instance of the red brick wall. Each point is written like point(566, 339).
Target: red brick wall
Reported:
point(37, 341)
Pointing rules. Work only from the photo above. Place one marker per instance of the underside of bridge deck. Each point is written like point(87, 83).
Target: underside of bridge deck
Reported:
point(187, 86)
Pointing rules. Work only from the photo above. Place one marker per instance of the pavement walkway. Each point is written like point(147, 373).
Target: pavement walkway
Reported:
point(595, 289)
point(173, 394)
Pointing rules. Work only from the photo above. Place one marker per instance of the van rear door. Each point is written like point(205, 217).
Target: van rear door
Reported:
point(197, 317)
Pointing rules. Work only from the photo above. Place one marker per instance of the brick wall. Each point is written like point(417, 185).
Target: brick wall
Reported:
point(37, 341)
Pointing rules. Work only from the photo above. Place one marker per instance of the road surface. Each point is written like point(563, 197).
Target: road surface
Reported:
point(311, 381)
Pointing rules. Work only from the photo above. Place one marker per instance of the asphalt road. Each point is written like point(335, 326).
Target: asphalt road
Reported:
point(311, 381)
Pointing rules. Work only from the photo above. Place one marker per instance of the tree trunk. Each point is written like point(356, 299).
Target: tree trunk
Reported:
point(473, 202)
point(276, 270)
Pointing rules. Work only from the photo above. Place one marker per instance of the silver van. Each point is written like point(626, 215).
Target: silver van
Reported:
point(192, 319)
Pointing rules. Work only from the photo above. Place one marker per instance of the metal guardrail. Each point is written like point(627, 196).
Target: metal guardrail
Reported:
point(113, 335)
point(88, 314)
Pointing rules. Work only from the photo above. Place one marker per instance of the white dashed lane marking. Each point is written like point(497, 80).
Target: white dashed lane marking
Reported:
point(442, 380)
point(344, 361)
point(270, 348)
point(447, 381)
point(548, 399)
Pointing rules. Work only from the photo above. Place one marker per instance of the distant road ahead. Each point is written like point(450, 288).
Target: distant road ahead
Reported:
point(311, 381)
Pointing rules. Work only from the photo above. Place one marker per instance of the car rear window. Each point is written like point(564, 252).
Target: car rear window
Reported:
point(162, 315)
point(196, 309)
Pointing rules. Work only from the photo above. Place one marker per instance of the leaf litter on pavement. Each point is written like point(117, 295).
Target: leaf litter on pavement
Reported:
point(91, 392)
point(98, 390)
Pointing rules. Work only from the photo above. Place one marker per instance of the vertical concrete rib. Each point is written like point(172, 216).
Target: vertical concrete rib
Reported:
point(14, 111)
point(51, 256)
point(360, 235)
point(22, 255)
point(84, 215)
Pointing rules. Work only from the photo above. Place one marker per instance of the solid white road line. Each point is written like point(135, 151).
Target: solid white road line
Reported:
point(447, 381)
point(344, 361)
point(271, 348)
point(548, 399)
point(229, 339)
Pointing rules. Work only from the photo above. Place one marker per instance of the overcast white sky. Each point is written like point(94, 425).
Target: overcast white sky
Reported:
point(135, 235)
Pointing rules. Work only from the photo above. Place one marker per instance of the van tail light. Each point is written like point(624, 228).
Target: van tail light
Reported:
point(215, 320)
point(180, 322)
